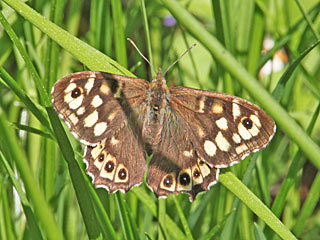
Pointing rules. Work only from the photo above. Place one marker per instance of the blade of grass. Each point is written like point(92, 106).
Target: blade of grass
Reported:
point(173, 229)
point(280, 88)
point(228, 231)
point(31, 220)
point(147, 33)
point(32, 70)
point(183, 219)
point(30, 104)
point(81, 189)
point(290, 179)
point(32, 130)
point(119, 37)
point(305, 15)
point(124, 219)
point(42, 209)
point(232, 183)
point(308, 207)
point(7, 222)
point(162, 233)
point(217, 228)
point(86, 54)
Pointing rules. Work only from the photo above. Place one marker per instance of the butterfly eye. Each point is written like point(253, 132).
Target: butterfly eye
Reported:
point(75, 93)
point(110, 166)
point(247, 123)
point(122, 174)
point(184, 179)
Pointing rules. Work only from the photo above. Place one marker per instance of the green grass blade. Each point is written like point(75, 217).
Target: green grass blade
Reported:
point(173, 229)
point(255, 204)
point(31, 219)
point(32, 130)
point(30, 104)
point(295, 167)
point(119, 37)
point(42, 210)
point(124, 218)
point(280, 88)
point(183, 219)
point(308, 207)
point(81, 189)
point(40, 86)
point(86, 54)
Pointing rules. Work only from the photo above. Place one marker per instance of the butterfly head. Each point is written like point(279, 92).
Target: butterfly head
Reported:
point(159, 79)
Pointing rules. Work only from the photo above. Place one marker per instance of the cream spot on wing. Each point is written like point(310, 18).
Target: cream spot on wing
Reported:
point(76, 102)
point(196, 175)
point(188, 153)
point(240, 149)
point(96, 101)
point(89, 85)
point(67, 98)
point(91, 119)
point(70, 88)
point(255, 120)
point(99, 160)
point(74, 119)
point(96, 150)
point(100, 128)
point(235, 110)
point(222, 142)
point(254, 131)
point(222, 123)
point(236, 138)
point(93, 75)
point(114, 141)
point(112, 115)
point(217, 107)
point(201, 104)
point(210, 148)
point(200, 132)
point(244, 133)
point(80, 110)
point(204, 168)
point(105, 88)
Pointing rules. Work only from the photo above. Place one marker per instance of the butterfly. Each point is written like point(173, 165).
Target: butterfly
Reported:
point(190, 133)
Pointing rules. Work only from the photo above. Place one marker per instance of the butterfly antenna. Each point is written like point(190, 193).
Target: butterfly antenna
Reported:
point(135, 46)
point(193, 45)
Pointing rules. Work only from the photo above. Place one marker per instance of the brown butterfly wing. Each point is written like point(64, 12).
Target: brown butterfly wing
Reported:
point(118, 162)
point(176, 166)
point(204, 131)
point(224, 129)
point(104, 111)
point(95, 104)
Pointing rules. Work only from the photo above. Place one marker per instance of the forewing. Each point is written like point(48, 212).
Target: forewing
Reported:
point(95, 104)
point(223, 129)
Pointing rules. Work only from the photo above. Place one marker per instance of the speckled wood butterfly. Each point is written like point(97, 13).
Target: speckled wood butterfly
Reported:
point(190, 133)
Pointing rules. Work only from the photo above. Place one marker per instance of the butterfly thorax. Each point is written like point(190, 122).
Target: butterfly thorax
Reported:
point(157, 106)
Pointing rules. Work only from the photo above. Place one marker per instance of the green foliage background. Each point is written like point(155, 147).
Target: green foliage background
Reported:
point(44, 191)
